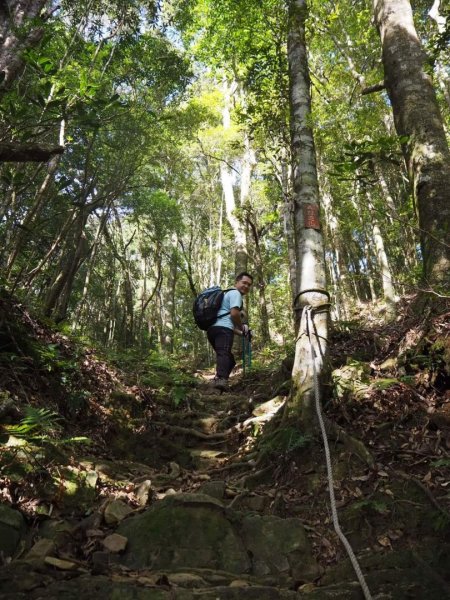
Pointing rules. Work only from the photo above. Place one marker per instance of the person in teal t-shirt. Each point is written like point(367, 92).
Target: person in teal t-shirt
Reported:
point(221, 333)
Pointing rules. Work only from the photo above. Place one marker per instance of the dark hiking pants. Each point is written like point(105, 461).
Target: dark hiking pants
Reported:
point(221, 339)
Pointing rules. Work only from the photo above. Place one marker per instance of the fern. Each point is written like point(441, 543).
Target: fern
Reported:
point(36, 423)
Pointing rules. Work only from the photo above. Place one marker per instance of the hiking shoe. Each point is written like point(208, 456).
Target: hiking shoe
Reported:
point(221, 384)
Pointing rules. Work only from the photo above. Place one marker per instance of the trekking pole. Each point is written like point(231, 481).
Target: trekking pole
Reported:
point(249, 350)
point(243, 354)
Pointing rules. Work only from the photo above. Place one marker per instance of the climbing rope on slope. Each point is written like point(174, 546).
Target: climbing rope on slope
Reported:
point(307, 321)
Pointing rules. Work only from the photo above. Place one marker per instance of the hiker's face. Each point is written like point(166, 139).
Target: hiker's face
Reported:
point(244, 285)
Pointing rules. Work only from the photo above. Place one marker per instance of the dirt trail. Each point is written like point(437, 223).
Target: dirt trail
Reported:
point(204, 515)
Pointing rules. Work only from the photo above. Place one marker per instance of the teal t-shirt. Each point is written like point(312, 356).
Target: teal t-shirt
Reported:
point(231, 299)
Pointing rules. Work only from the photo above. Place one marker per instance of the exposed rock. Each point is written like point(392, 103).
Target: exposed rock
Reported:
point(58, 563)
point(143, 492)
point(116, 511)
point(57, 530)
point(196, 531)
point(186, 580)
point(42, 548)
point(269, 408)
point(12, 528)
point(215, 489)
point(255, 503)
point(239, 583)
point(101, 561)
point(115, 543)
point(186, 530)
point(278, 546)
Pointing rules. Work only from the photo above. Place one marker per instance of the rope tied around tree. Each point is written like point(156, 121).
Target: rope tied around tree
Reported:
point(317, 291)
point(307, 326)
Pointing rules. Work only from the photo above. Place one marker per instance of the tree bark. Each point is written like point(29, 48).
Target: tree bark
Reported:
point(20, 28)
point(311, 273)
point(241, 257)
point(264, 330)
point(383, 265)
point(11, 152)
point(418, 120)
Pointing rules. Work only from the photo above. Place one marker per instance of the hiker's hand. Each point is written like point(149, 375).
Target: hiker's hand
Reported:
point(245, 330)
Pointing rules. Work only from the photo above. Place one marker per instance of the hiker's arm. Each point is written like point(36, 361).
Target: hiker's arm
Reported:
point(235, 314)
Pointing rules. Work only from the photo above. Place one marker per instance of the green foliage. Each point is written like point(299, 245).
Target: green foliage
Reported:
point(376, 506)
point(441, 462)
point(157, 371)
point(38, 424)
point(284, 441)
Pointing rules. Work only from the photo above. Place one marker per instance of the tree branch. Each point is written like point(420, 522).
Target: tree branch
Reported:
point(10, 152)
point(373, 88)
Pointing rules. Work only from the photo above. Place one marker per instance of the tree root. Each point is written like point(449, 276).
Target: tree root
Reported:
point(193, 432)
point(352, 444)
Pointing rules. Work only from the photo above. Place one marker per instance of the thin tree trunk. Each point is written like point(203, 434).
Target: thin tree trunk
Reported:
point(78, 316)
point(58, 294)
point(383, 265)
point(39, 199)
point(264, 330)
point(241, 257)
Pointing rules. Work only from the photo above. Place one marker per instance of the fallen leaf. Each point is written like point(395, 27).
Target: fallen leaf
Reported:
point(384, 541)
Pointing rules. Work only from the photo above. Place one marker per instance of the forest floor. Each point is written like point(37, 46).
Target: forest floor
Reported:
point(151, 484)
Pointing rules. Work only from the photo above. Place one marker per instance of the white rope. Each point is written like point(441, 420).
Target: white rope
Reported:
point(307, 311)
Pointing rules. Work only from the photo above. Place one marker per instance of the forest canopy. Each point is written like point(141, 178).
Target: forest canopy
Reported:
point(148, 152)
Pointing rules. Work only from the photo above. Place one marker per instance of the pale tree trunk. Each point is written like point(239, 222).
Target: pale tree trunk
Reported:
point(219, 258)
point(368, 257)
point(226, 177)
point(288, 223)
point(417, 118)
point(383, 265)
point(78, 315)
point(441, 72)
point(311, 272)
point(169, 298)
point(338, 275)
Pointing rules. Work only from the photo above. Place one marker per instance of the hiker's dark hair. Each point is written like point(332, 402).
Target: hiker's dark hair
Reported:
point(242, 275)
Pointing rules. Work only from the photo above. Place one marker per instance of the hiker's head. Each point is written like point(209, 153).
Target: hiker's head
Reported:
point(243, 282)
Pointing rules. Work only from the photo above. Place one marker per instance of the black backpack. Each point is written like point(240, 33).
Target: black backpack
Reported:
point(207, 305)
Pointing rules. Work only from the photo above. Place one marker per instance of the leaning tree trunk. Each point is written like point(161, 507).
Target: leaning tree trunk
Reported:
point(419, 122)
point(311, 272)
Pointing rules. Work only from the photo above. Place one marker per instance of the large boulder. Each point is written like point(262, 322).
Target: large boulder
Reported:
point(278, 547)
point(184, 530)
point(197, 531)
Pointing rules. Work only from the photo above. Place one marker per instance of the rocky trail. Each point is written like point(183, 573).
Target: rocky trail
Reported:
point(203, 495)
point(213, 521)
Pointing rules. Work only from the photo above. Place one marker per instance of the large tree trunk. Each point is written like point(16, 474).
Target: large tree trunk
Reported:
point(417, 118)
point(311, 274)
point(20, 29)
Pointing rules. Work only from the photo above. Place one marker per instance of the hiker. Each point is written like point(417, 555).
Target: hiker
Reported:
point(229, 321)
